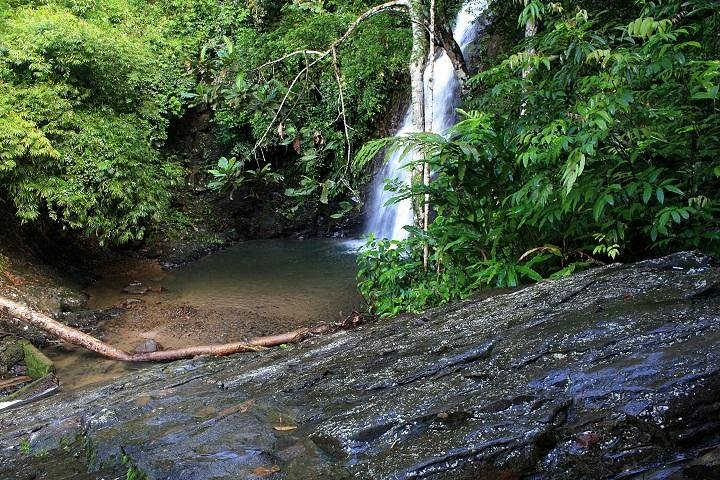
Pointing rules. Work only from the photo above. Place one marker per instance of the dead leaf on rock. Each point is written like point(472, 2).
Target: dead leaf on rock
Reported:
point(587, 439)
point(239, 408)
point(285, 428)
point(266, 471)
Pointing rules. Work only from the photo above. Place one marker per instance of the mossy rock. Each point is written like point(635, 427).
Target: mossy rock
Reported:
point(11, 352)
point(39, 367)
point(37, 364)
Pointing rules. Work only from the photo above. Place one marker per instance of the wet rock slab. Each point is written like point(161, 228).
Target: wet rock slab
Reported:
point(614, 373)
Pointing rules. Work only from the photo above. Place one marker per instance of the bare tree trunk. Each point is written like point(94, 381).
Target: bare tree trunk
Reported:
point(59, 330)
point(430, 115)
point(444, 38)
point(418, 57)
point(76, 337)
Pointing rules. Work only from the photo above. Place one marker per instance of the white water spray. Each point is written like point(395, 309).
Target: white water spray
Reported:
point(387, 221)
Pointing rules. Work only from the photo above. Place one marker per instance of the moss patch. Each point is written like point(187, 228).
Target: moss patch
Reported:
point(38, 365)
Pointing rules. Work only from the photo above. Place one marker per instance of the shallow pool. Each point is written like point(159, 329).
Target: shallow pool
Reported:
point(255, 288)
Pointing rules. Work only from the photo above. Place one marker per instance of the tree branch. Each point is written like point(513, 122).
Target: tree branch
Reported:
point(393, 5)
point(444, 38)
point(343, 112)
point(429, 119)
point(76, 337)
point(289, 55)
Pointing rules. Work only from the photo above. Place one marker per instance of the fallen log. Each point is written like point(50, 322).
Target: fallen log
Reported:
point(15, 381)
point(76, 337)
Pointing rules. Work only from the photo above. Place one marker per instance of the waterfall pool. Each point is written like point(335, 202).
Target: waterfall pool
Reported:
point(255, 288)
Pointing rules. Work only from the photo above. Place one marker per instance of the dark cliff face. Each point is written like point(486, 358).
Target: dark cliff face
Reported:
point(614, 373)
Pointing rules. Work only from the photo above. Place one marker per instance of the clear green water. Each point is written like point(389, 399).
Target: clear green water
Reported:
point(306, 280)
point(252, 289)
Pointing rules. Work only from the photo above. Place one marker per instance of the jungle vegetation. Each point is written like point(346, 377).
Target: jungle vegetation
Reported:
point(594, 139)
point(89, 91)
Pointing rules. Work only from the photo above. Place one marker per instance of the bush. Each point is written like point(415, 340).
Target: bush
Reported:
point(86, 92)
point(606, 149)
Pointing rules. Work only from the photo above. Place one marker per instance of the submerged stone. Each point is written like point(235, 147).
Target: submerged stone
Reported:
point(136, 288)
point(613, 373)
point(149, 346)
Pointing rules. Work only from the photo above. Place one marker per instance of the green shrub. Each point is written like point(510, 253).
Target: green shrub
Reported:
point(606, 149)
point(86, 92)
point(306, 143)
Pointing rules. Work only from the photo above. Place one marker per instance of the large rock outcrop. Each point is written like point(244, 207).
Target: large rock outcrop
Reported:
point(613, 373)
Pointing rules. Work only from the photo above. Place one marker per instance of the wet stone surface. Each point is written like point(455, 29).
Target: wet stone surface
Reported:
point(42, 289)
point(614, 373)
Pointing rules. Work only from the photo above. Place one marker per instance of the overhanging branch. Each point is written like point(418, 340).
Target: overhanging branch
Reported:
point(320, 55)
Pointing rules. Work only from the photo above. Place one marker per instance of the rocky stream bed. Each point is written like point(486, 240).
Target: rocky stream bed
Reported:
point(613, 373)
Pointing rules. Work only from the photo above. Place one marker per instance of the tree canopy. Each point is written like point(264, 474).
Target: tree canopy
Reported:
point(88, 92)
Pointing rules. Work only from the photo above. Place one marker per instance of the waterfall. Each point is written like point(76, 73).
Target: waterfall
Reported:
point(388, 221)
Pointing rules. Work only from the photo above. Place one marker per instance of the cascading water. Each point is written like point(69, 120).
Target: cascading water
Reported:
point(387, 221)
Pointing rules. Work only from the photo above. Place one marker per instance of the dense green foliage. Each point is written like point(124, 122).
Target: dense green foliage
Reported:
point(608, 148)
point(89, 90)
point(275, 115)
point(596, 139)
point(86, 91)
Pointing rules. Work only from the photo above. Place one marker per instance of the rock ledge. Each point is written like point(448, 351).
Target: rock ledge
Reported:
point(613, 373)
